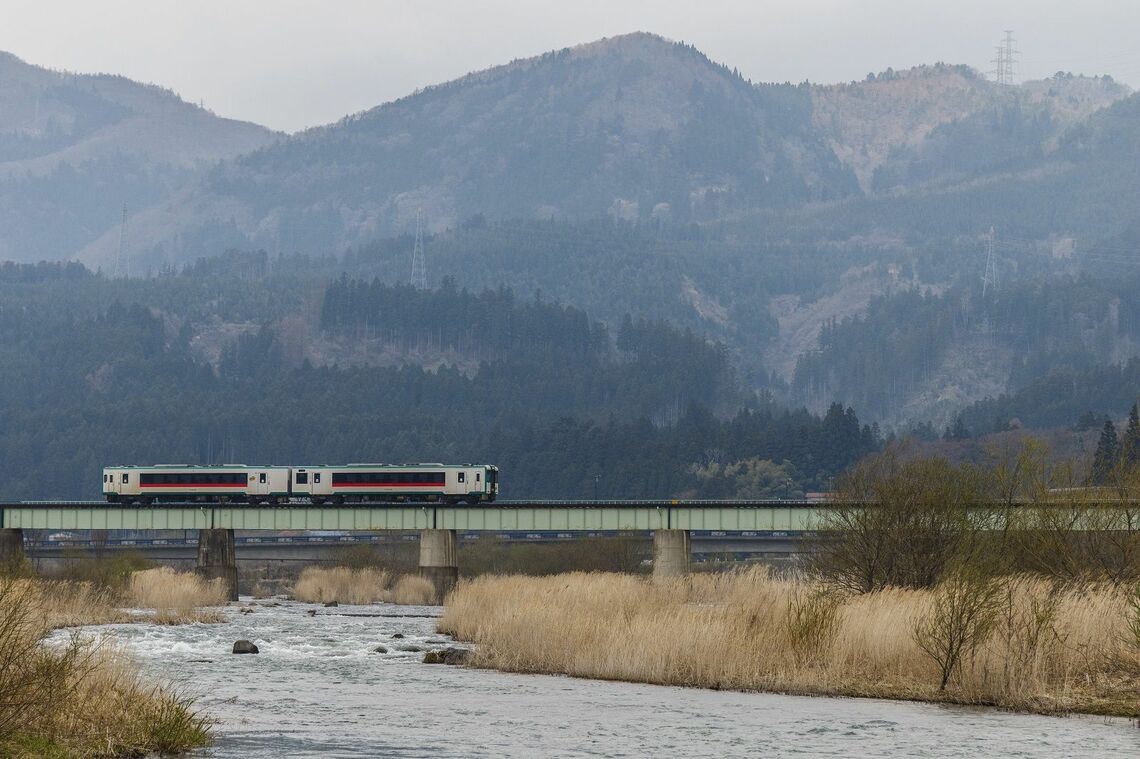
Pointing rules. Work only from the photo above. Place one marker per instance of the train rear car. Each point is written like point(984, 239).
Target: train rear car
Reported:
point(360, 483)
point(173, 483)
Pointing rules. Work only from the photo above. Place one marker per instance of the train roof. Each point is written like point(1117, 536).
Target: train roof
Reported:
point(279, 466)
point(377, 465)
point(193, 466)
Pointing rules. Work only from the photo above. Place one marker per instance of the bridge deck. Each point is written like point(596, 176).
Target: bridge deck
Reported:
point(534, 515)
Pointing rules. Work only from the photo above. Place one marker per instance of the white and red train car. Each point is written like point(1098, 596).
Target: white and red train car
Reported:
point(350, 483)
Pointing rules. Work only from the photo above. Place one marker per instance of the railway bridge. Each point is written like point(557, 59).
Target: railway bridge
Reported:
point(669, 521)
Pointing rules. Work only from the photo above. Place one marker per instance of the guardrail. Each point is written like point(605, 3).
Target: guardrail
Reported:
point(355, 539)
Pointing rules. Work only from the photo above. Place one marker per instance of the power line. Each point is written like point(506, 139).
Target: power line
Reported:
point(1005, 60)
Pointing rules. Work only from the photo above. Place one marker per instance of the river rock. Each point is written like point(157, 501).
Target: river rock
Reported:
point(380, 650)
point(456, 656)
point(245, 647)
point(434, 657)
point(311, 612)
point(331, 604)
point(412, 649)
point(397, 636)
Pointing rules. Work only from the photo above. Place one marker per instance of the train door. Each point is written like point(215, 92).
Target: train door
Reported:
point(301, 485)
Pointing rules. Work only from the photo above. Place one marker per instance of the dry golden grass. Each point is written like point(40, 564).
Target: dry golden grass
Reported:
point(176, 597)
point(79, 698)
point(71, 604)
point(361, 586)
point(412, 590)
point(1050, 649)
point(341, 584)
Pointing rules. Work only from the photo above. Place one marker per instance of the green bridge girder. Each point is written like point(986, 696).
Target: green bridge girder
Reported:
point(490, 518)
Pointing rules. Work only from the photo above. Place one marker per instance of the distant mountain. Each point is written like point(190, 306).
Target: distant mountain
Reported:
point(636, 127)
point(901, 128)
point(630, 175)
point(75, 148)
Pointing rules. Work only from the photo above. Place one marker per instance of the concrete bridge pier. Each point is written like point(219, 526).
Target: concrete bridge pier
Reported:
point(11, 549)
point(670, 553)
point(217, 558)
point(438, 561)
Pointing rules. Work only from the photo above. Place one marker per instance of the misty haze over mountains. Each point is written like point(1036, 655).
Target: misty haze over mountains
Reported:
point(634, 175)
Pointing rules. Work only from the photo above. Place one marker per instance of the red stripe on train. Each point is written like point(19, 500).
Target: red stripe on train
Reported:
point(193, 485)
point(386, 484)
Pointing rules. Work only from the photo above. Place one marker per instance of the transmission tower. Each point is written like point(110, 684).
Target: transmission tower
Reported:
point(122, 264)
point(1004, 60)
point(419, 263)
point(989, 279)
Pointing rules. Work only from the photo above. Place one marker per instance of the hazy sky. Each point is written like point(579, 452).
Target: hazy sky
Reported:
point(290, 64)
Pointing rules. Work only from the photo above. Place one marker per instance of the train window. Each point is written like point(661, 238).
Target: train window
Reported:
point(126, 478)
point(261, 478)
point(477, 477)
point(302, 478)
point(316, 477)
point(463, 476)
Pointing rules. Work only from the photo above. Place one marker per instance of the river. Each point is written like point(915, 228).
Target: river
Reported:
point(319, 689)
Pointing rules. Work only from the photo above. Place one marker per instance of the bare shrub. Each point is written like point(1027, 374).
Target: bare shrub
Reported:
point(813, 617)
point(1026, 637)
point(894, 522)
point(107, 571)
point(960, 619)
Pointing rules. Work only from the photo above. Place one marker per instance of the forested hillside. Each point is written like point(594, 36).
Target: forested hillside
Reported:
point(1025, 335)
point(829, 240)
point(558, 401)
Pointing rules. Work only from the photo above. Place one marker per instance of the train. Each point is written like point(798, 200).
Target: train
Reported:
point(326, 484)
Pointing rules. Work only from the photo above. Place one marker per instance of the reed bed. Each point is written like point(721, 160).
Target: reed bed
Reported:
point(412, 590)
point(341, 584)
point(60, 603)
point(1046, 648)
point(176, 597)
point(361, 586)
point(81, 698)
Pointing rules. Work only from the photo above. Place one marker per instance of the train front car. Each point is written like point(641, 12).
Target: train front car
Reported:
point(185, 483)
point(390, 483)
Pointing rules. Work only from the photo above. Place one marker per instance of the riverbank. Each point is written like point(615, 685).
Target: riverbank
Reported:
point(84, 697)
point(1044, 648)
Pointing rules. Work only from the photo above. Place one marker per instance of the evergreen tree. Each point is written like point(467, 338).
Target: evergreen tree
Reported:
point(1107, 454)
point(1130, 448)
